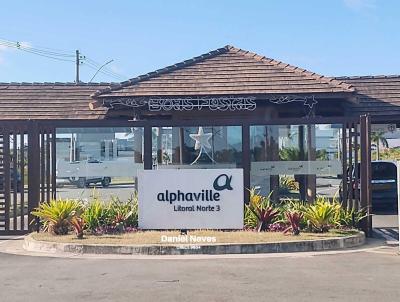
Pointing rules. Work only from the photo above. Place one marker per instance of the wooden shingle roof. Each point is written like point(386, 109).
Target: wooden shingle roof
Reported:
point(48, 101)
point(226, 71)
point(378, 95)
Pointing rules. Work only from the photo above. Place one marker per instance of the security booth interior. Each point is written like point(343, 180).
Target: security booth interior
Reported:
point(295, 134)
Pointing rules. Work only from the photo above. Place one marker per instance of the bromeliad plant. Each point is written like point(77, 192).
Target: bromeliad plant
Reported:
point(321, 215)
point(123, 214)
point(60, 216)
point(56, 215)
point(349, 218)
point(79, 225)
point(111, 216)
point(294, 218)
point(259, 213)
point(95, 214)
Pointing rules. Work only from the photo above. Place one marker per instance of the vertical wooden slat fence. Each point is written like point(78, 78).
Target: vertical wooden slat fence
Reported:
point(26, 169)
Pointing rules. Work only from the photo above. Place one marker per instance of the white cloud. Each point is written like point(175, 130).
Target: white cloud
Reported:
point(360, 5)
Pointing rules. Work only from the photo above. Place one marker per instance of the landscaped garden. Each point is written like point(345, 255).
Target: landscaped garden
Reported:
point(116, 222)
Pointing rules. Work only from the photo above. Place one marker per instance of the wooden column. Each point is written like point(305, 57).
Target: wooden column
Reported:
point(273, 155)
point(246, 161)
point(365, 175)
point(33, 170)
point(176, 158)
point(311, 156)
point(148, 157)
point(301, 178)
point(137, 144)
point(159, 146)
point(137, 149)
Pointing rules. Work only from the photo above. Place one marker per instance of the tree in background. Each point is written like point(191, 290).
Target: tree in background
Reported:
point(378, 139)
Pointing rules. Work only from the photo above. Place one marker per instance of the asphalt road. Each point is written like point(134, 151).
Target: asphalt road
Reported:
point(360, 276)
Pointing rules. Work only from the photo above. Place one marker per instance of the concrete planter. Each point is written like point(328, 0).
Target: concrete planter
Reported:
point(335, 243)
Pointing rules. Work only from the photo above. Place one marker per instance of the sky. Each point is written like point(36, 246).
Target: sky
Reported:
point(329, 37)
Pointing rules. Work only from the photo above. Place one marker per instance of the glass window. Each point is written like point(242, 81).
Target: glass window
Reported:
point(296, 161)
point(197, 147)
point(104, 161)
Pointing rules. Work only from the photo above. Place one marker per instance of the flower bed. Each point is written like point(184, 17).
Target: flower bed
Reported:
point(264, 221)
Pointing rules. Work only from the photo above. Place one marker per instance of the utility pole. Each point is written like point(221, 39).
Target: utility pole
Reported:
point(77, 60)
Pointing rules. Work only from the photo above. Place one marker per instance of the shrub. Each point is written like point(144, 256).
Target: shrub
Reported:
point(321, 215)
point(294, 218)
point(349, 218)
point(56, 215)
point(123, 214)
point(259, 213)
point(78, 224)
point(287, 184)
point(291, 205)
point(95, 215)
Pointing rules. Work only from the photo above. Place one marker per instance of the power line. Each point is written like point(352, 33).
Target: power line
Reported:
point(64, 56)
point(118, 77)
point(105, 68)
point(105, 71)
point(21, 46)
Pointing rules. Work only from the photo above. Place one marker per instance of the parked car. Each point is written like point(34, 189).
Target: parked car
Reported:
point(87, 181)
point(383, 184)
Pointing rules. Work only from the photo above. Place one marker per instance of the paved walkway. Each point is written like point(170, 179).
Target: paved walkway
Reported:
point(386, 226)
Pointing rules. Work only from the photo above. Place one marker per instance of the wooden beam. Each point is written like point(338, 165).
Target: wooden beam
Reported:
point(95, 104)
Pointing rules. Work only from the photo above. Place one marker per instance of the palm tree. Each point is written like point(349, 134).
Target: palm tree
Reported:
point(378, 138)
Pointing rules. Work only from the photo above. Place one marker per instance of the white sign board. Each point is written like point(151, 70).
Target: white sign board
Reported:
point(191, 199)
point(383, 128)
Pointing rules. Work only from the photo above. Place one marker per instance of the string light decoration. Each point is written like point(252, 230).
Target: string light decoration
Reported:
point(202, 144)
point(187, 104)
point(230, 103)
point(308, 101)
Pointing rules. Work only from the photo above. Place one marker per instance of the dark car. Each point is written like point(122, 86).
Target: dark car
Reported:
point(383, 184)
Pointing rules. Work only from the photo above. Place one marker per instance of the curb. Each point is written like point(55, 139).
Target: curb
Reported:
point(335, 243)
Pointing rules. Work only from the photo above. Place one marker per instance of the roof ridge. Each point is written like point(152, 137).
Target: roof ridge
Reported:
point(329, 80)
point(161, 71)
point(368, 77)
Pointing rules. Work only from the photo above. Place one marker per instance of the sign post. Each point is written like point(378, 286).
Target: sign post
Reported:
point(191, 199)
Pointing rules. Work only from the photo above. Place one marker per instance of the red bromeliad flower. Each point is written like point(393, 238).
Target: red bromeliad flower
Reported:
point(264, 217)
point(294, 219)
point(78, 224)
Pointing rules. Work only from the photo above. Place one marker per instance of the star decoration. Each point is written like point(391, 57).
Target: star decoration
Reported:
point(310, 102)
point(202, 139)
